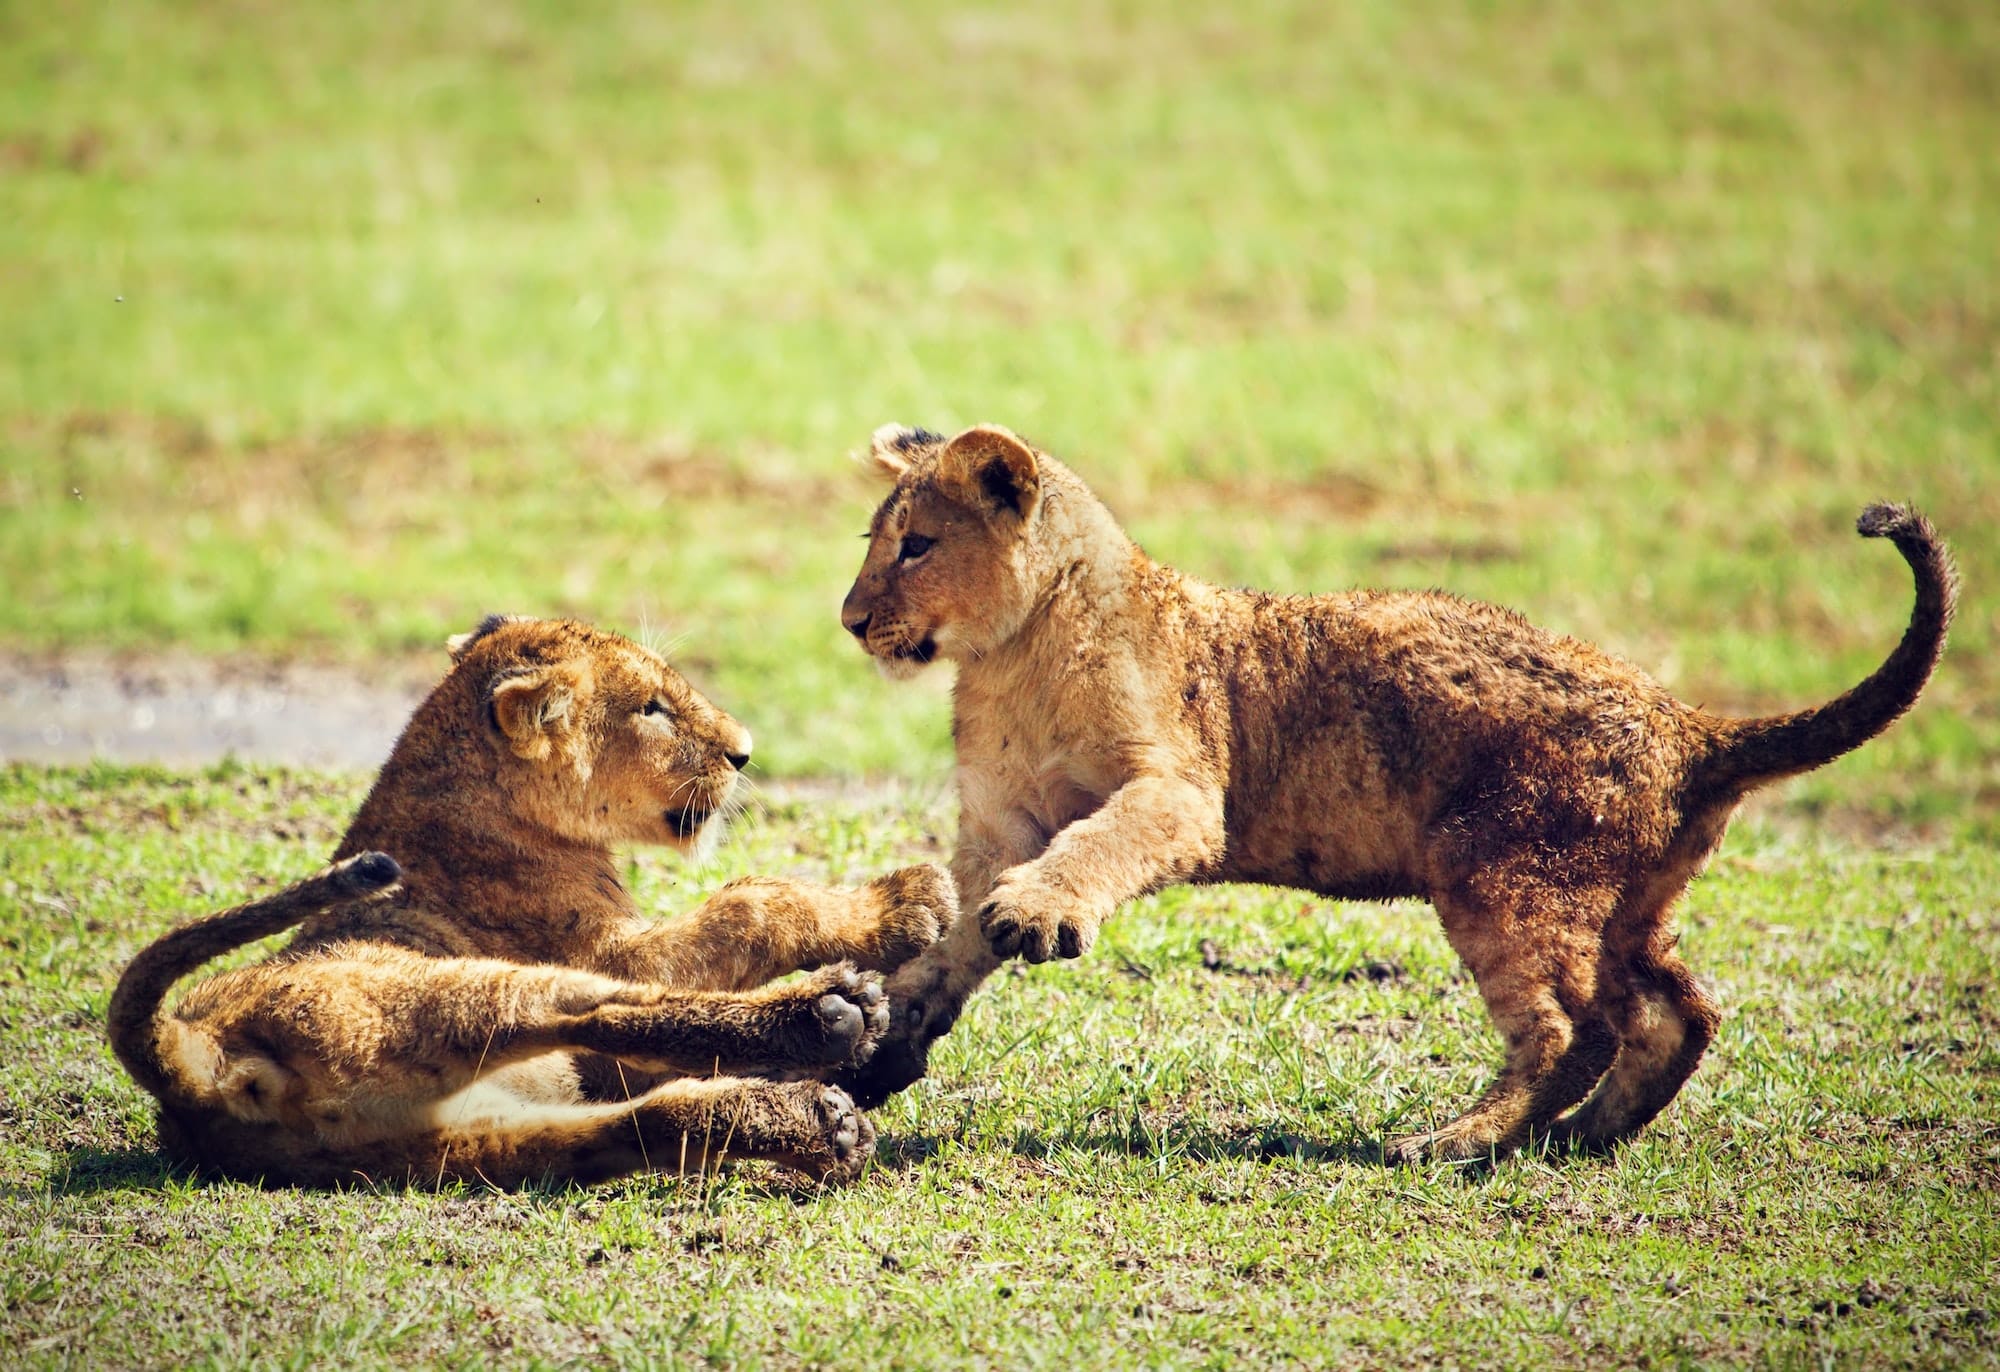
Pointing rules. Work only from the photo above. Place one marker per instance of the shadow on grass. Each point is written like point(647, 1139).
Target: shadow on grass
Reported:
point(1196, 1145)
point(1188, 1143)
point(90, 1170)
point(1199, 1145)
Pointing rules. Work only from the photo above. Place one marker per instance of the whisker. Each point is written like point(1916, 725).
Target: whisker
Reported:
point(686, 787)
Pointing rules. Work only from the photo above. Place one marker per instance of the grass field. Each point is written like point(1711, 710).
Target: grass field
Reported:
point(326, 329)
point(1134, 1160)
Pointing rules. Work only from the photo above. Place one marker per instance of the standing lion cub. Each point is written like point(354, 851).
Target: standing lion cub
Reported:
point(1121, 726)
point(474, 994)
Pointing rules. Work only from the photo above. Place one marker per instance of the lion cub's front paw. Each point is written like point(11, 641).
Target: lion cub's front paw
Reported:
point(835, 1017)
point(1033, 923)
point(918, 904)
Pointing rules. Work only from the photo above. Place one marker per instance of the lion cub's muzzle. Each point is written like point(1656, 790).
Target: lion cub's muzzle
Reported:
point(709, 799)
point(686, 822)
point(919, 653)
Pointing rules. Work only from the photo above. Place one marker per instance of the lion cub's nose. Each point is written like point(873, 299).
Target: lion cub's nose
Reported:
point(857, 627)
point(738, 760)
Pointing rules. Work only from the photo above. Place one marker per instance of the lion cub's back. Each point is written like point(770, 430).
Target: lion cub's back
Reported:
point(1415, 687)
point(1436, 645)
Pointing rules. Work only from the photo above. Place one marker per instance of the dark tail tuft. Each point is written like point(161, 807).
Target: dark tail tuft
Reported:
point(1886, 519)
point(366, 873)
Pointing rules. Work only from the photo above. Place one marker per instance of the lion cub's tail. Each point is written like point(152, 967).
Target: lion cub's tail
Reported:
point(139, 1029)
point(1750, 752)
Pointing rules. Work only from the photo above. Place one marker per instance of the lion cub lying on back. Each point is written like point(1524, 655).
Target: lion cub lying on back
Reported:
point(1121, 726)
point(506, 1014)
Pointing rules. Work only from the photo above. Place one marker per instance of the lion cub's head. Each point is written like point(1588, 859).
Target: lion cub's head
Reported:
point(951, 569)
point(588, 734)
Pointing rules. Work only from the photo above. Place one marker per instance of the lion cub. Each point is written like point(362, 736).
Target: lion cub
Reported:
point(505, 1014)
point(1121, 726)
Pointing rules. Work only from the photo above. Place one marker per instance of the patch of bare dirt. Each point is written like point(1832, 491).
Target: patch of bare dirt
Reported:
point(182, 710)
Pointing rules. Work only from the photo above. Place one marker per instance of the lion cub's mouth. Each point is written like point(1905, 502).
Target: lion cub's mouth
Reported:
point(686, 822)
point(922, 653)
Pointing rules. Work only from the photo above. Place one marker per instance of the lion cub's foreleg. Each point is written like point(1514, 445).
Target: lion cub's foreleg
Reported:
point(1151, 832)
point(757, 928)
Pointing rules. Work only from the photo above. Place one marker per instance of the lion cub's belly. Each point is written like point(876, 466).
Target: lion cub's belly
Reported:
point(1328, 821)
point(1342, 855)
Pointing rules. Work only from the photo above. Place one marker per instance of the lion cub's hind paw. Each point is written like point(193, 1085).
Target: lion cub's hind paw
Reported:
point(849, 1138)
point(1455, 1143)
point(918, 905)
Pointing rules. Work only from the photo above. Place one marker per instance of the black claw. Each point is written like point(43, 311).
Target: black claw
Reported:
point(1069, 941)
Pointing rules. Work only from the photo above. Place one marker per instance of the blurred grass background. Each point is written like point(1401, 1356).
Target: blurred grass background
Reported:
point(330, 328)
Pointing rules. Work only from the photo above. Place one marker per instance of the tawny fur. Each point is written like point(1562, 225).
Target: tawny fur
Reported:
point(1121, 726)
point(505, 1013)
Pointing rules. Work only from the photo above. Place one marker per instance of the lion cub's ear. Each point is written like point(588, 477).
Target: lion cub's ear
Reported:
point(535, 708)
point(459, 644)
point(889, 450)
point(995, 467)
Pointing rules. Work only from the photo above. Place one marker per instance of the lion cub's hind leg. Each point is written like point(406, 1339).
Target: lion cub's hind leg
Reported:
point(1533, 947)
point(486, 1135)
point(1664, 1021)
point(346, 1050)
point(758, 928)
point(679, 1126)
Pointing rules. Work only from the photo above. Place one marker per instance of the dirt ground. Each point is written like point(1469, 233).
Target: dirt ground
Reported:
point(183, 710)
point(186, 710)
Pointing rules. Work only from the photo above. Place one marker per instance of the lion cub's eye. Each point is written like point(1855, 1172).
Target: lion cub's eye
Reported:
point(914, 547)
point(654, 707)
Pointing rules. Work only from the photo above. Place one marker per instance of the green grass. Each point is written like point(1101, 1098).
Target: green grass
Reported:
point(1127, 1161)
point(328, 329)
